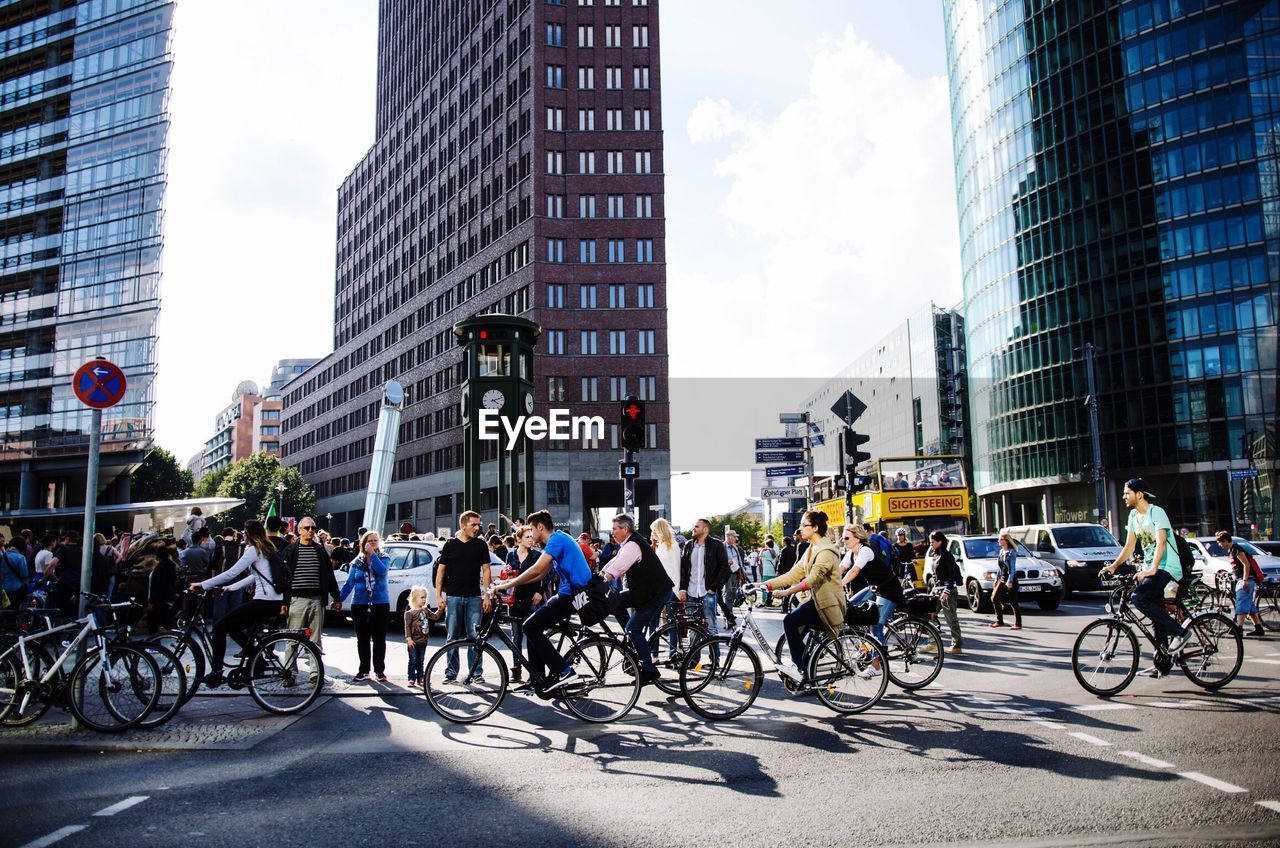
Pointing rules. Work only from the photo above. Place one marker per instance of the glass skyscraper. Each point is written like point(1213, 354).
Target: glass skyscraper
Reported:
point(83, 132)
point(1118, 179)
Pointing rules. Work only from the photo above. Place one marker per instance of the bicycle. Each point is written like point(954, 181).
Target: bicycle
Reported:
point(840, 670)
point(1105, 655)
point(111, 688)
point(607, 687)
point(189, 642)
point(1268, 600)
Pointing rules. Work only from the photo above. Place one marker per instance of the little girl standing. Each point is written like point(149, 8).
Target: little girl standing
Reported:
point(417, 623)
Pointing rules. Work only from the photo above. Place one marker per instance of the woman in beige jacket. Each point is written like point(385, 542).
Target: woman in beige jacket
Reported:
point(817, 572)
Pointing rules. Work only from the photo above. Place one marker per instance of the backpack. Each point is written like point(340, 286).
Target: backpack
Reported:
point(1258, 576)
point(1185, 555)
point(281, 578)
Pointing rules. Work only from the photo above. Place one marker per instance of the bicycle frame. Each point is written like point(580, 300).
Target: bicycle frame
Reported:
point(88, 628)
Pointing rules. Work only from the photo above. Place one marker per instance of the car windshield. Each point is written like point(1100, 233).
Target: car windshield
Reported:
point(989, 548)
point(1216, 550)
point(1088, 536)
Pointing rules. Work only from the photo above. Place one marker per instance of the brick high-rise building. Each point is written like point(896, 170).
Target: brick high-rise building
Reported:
point(518, 169)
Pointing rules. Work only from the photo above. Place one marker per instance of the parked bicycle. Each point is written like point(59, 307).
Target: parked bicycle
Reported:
point(607, 687)
point(721, 677)
point(1106, 654)
point(110, 688)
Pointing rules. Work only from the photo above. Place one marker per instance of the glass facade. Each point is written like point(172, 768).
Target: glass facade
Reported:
point(83, 135)
point(1116, 170)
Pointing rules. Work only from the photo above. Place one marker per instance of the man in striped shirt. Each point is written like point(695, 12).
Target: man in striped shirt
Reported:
point(313, 581)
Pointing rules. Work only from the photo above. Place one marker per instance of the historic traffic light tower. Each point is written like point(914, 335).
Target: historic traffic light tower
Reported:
point(498, 375)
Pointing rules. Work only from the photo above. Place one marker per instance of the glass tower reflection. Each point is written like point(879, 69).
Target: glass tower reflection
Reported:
point(1116, 169)
point(83, 133)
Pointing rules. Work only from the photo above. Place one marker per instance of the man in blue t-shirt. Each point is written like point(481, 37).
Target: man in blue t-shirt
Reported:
point(561, 551)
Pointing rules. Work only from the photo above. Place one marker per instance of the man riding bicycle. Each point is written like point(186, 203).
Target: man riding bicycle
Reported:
point(560, 550)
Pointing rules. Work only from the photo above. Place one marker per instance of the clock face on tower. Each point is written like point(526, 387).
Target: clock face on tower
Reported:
point(492, 399)
point(528, 402)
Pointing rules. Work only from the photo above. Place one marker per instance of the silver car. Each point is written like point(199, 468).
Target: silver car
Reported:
point(978, 558)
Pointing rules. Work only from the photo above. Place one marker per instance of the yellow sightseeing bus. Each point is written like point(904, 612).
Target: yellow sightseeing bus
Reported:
point(919, 493)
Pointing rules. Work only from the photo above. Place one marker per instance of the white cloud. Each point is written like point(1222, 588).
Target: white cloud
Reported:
point(838, 220)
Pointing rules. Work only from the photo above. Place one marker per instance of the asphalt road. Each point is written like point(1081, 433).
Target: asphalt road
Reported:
point(1003, 749)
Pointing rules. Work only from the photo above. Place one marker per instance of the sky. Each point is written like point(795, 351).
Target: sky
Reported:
point(809, 191)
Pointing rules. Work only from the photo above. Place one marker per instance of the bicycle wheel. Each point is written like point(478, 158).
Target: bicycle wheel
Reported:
point(1269, 607)
point(608, 683)
point(173, 685)
point(914, 651)
point(115, 689)
point(1105, 657)
point(670, 644)
point(190, 658)
point(730, 684)
point(285, 673)
point(846, 673)
point(26, 704)
point(1213, 652)
point(469, 698)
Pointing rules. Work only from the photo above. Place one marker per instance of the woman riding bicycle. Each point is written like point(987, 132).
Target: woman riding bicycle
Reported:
point(255, 566)
point(870, 570)
point(817, 572)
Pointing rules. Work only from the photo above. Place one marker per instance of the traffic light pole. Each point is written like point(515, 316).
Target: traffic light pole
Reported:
point(629, 489)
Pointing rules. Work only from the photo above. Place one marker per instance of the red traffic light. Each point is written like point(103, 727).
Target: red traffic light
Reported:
point(632, 411)
point(484, 334)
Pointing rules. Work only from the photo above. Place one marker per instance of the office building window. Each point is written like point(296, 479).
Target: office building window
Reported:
point(648, 388)
point(555, 119)
point(558, 490)
point(613, 120)
point(618, 342)
point(644, 162)
point(586, 78)
point(615, 206)
point(590, 389)
point(644, 250)
point(555, 76)
point(587, 297)
point(555, 295)
point(646, 341)
point(586, 36)
point(555, 35)
point(617, 250)
point(588, 343)
point(555, 162)
point(555, 342)
point(555, 250)
point(612, 78)
point(651, 435)
point(586, 250)
point(555, 205)
point(640, 35)
point(644, 205)
point(614, 161)
point(586, 162)
point(586, 120)
point(617, 388)
point(617, 297)
point(641, 78)
point(587, 206)
point(555, 389)
point(644, 295)
point(613, 36)
point(642, 119)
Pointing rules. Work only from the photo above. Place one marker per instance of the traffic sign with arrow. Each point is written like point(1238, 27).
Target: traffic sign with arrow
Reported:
point(779, 456)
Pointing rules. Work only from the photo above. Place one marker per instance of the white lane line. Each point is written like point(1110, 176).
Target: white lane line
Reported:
point(1145, 760)
point(1220, 785)
point(121, 806)
point(58, 835)
point(1266, 699)
point(1261, 660)
point(1052, 725)
point(1100, 708)
point(1082, 607)
point(1272, 654)
point(1175, 704)
point(1021, 712)
point(1274, 806)
point(1092, 740)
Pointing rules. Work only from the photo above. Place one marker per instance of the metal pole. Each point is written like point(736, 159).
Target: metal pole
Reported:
point(1099, 485)
point(808, 457)
point(1231, 494)
point(628, 488)
point(90, 508)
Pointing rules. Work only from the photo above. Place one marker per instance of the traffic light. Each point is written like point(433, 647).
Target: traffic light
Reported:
point(631, 432)
point(849, 443)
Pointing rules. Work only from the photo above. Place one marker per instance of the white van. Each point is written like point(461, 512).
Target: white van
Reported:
point(1078, 551)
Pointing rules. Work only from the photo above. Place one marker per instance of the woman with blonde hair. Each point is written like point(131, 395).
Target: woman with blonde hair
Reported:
point(1006, 588)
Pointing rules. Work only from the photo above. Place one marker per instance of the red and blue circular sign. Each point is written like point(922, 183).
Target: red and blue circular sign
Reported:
point(99, 384)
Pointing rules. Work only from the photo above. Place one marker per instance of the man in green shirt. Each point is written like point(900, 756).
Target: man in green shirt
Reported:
point(1150, 527)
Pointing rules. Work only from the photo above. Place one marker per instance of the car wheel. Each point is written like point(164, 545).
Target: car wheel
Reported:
point(977, 603)
point(1048, 604)
point(402, 606)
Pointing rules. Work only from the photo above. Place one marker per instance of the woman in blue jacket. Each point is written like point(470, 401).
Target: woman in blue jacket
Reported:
point(1006, 588)
point(370, 607)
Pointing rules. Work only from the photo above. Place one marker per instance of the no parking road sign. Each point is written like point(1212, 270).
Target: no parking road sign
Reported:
point(99, 384)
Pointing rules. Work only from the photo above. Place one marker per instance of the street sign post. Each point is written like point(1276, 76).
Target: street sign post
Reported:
point(778, 492)
point(1236, 474)
point(784, 471)
point(779, 444)
point(99, 385)
point(791, 418)
point(765, 457)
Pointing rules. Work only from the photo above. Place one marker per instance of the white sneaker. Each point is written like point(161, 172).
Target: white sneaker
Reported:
point(869, 673)
point(1176, 643)
point(789, 671)
point(1153, 672)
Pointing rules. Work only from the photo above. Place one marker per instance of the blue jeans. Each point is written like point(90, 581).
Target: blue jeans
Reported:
point(644, 618)
point(542, 654)
point(886, 610)
point(417, 655)
point(1148, 597)
point(803, 616)
point(462, 612)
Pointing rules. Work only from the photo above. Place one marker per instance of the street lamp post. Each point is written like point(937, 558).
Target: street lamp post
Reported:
point(280, 499)
point(328, 522)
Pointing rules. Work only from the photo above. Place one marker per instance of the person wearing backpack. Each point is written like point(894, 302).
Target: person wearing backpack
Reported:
point(252, 569)
point(16, 576)
point(1247, 576)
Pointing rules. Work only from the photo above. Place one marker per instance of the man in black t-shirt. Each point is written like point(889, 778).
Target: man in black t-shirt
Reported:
point(462, 569)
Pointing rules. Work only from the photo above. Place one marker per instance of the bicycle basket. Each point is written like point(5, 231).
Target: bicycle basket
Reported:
point(862, 615)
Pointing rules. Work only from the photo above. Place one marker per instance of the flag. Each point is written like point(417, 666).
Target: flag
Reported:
point(271, 510)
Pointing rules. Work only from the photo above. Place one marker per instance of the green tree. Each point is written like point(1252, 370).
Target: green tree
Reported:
point(209, 483)
point(750, 530)
point(254, 478)
point(160, 478)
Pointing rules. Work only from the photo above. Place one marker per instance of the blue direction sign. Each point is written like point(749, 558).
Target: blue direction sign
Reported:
point(99, 384)
point(779, 456)
point(1239, 474)
point(784, 471)
point(779, 444)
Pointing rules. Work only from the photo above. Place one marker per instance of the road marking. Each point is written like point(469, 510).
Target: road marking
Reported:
point(1099, 708)
point(1274, 806)
point(1022, 712)
point(121, 806)
point(1145, 760)
point(1052, 725)
point(1220, 785)
point(1082, 607)
point(1092, 740)
point(1259, 659)
point(58, 835)
point(1187, 703)
point(1266, 699)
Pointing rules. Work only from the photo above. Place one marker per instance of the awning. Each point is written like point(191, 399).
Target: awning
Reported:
point(135, 517)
